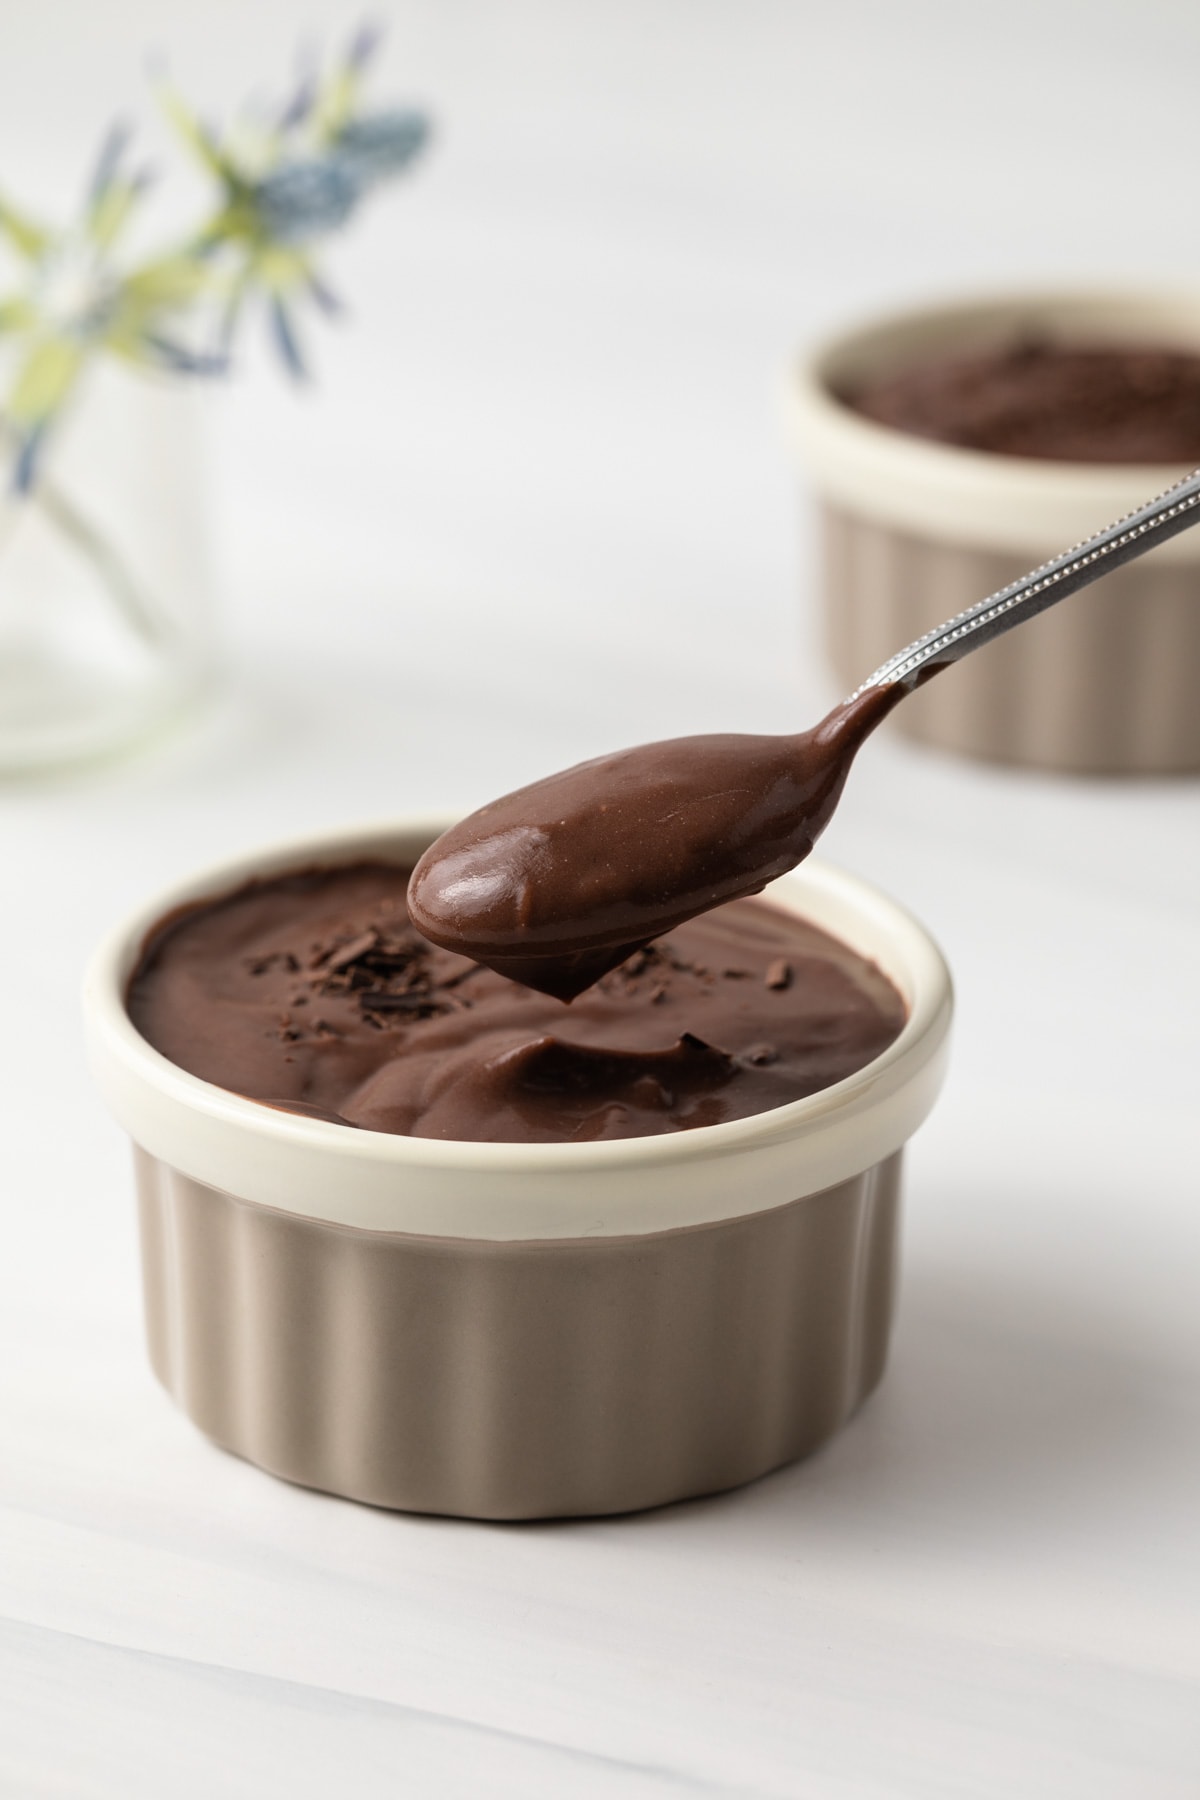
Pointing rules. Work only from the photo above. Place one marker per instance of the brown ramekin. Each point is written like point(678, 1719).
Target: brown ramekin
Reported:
point(914, 531)
point(510, 1331)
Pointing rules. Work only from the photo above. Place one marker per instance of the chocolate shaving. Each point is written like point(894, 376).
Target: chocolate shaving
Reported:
point(388, 972)
point(388, 962)
point(779, 974)
point(419, 1005)
point(341, 959)
point(259, 965)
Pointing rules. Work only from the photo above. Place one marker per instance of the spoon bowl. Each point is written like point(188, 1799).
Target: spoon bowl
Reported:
point(562, 880)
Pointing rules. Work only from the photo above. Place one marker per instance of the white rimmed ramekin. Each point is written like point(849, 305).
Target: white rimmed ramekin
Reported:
point(915, 531)
point(511, 1331)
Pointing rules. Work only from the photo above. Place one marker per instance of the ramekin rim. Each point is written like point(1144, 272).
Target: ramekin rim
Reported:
point(1031, 507)
point(809, 370)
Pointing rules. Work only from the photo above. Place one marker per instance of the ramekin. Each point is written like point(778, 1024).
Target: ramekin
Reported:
point(509, 1331)
point(915, 531)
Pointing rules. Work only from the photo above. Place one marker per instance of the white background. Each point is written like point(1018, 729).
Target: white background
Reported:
point(537, 506)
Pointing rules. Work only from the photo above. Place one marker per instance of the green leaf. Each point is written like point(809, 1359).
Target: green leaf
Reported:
point(192, 132)
point(17, 314)
point(169, 281)
point(31, 240)
point(44, 380)
point(280, 269)
point(127, 343)
point(336, 101)
point(237, 222)
point(109, 213)
point(112, 207)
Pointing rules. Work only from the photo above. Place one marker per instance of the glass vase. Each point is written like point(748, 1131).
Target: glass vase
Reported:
point(105, 618)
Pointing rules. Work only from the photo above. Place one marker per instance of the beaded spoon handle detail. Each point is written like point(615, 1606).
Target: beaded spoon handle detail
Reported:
point(1151, 524)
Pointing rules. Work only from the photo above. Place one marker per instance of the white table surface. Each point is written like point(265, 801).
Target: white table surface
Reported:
point(539, 506)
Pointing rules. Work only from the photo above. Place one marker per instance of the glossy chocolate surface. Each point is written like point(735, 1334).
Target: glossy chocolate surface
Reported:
point(562, 880)
point(312, 992)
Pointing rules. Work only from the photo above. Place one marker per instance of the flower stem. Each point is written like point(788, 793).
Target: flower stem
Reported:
point(136, 607)
point(132, 601)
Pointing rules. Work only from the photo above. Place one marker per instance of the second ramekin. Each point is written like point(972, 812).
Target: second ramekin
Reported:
point(914, 531)
point(510, 1331)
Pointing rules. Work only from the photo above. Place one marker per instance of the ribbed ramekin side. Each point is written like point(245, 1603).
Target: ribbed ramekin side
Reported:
point(1098, 685)
point(511, 1380)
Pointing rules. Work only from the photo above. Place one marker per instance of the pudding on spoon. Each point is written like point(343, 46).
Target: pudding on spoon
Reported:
point(560, 881)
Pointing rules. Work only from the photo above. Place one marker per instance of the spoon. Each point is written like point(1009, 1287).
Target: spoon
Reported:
point(557, 883)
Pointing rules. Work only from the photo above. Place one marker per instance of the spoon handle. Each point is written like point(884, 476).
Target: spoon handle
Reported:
point(1131, 536)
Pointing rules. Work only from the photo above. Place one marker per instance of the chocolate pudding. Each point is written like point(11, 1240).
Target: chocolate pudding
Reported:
point(313, 992)
point(563, 879)
point(1087, 403)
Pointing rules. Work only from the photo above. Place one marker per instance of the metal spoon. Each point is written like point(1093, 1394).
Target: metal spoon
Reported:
point(1151, 524)
point(559, 882)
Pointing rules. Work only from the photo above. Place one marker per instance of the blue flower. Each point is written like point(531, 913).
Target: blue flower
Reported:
point(302, 200)
point(381, 144)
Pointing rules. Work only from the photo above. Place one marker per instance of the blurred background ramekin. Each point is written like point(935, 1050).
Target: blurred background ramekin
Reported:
point(913, 531)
